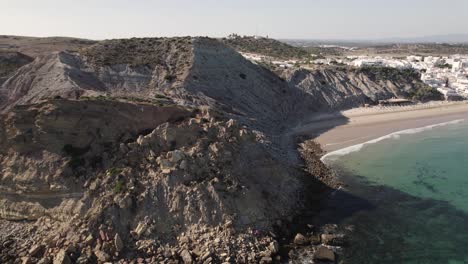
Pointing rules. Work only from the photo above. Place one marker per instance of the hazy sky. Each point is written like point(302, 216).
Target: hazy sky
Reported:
point(343, 19)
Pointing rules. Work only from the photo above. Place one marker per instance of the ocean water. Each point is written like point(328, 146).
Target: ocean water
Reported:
point(406, 196)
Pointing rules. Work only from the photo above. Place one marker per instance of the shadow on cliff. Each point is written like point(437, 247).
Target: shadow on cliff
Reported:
point(324, 202)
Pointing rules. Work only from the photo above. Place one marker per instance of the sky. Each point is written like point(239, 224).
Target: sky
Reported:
point(292, 19)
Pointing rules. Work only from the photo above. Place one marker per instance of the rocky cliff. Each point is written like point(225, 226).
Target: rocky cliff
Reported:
point(120, 180)
point(336, 88)
point(160, 150)
point(195, 72)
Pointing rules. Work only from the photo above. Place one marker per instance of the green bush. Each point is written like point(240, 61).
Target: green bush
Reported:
point(119, 186)
point(444, 66)
point(266, 46)
point(388, 73)
point(426, 93)
point(114, 171)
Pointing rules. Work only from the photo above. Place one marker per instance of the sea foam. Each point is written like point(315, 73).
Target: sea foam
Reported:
point(395, 135)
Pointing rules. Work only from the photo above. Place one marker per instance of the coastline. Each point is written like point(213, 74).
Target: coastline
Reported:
point(392, 209)
point(360, 125)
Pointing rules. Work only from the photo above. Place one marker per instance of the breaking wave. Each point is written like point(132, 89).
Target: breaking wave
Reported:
point(395, 135)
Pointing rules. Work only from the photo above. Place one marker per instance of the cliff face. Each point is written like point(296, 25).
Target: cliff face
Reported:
point(221, 78)
point(10, 62)
point(338, 88)
point(192, 72)
point(146, 174)
point(198, 71)
point(59, 145)
point(44, 146)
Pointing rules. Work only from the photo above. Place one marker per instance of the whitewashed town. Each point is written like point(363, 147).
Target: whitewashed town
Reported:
point(448, 74)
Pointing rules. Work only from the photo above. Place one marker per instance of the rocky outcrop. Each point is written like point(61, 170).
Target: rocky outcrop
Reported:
point(49, 76)
point(190, 179)
point(68, 126)
point(335, 88)
point(47, 148)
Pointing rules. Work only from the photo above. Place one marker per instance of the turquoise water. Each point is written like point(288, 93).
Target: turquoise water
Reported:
point(410, 196)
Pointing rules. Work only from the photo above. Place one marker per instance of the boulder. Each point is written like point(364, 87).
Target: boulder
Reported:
point(186, 256)
point(89, 239)
point(118, 243)
point(140, 229)
point(62, 258)
point(45, 260)
point(35, 250)
point(274, 247)
point(143, 140)
point(175, 156)
point(101, 255)
point(266, 260)
point(314, 239)
point(183, 165)
point(333, 240)
point(323, 253)
point(300, 239)
point(166, 164)
point(123, 201)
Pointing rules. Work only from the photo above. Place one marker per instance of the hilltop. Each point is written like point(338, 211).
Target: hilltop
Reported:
point(34, 46)
point(265, 46)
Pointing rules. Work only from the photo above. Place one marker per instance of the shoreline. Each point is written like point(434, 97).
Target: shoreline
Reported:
point(360, 125)
point(358, 147)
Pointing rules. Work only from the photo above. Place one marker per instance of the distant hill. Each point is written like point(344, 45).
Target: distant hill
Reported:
point(34, 46)
point(265, 46)
point(426, 49)
point(328, 48)
point(434, 39)
point(449, 38)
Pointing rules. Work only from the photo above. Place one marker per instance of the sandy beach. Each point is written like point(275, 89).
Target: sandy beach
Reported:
point(359, 125)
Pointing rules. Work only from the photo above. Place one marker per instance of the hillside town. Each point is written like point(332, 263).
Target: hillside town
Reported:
point(253, 57)
point(449, 74)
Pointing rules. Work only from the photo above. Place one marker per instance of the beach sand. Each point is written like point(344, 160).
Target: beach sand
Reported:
point(360, 125)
